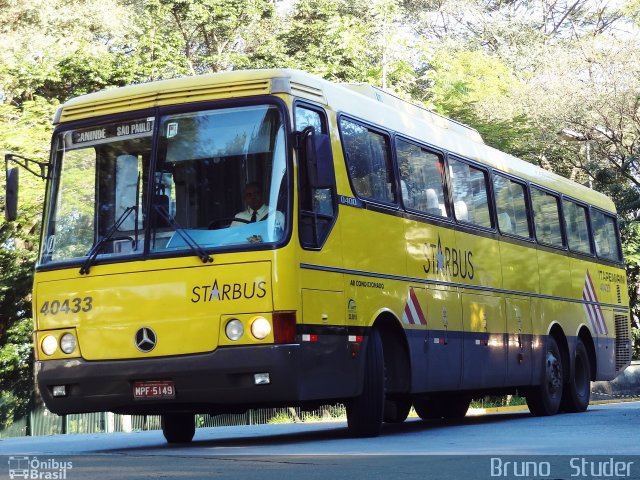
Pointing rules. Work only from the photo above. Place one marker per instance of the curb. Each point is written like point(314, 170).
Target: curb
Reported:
point(520, 408)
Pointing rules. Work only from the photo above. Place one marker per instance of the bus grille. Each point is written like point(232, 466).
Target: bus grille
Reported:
point(623, 343)
point(619, 294)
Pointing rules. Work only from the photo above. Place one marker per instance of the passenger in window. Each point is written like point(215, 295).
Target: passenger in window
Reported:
point(462, 212)
point(433, 206)
point(256, 210)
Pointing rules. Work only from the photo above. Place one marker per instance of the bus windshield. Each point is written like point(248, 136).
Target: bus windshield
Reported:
point(219, 182)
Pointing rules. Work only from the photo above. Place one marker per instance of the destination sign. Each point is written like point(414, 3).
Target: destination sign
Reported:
point(110, 132)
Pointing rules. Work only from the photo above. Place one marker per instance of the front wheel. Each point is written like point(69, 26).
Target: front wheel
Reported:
point(544, 399)
point(577, 391)
point(449, 406)
point(178, 427)
point(365, 412)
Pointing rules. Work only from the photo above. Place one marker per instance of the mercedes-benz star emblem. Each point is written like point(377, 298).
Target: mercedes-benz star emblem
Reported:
point(146, 339)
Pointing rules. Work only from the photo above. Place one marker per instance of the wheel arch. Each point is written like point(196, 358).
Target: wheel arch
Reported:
point(585, 335)
point(396, 352)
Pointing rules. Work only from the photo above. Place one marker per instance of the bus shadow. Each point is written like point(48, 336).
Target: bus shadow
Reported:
point(334, 431)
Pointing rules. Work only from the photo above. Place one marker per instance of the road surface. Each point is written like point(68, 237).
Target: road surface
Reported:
point(586, 445)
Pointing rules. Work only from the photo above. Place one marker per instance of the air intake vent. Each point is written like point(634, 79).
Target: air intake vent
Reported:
point(623, 342)
point(147, 98)
point(619, 293)
point(307, 91)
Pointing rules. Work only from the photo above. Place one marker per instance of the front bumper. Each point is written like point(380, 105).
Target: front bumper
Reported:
point(216, 382)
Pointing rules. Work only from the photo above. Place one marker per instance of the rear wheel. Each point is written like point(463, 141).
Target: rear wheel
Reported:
point(544, 399)
point(365, 412)
point(178, 427)
point(577, 391)
point(396, 411)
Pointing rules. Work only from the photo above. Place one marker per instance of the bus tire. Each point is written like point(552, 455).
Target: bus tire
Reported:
point(396, 411)
point(577, 391)
point(544, 399)
point(456, 406)
point(178, 427)
point(427, 408)
point(365, 412)
point(449, 406)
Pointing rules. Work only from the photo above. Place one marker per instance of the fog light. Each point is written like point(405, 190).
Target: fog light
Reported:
point(261, 379)
point(260, 328)
point(234, 329)
point(59, 391)
point(49, 345)
point(68, 343)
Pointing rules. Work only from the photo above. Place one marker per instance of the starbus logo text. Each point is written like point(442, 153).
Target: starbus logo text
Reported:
point(228, 291)
point(448, 261)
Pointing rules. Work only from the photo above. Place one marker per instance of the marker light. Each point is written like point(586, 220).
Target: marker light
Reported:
point(68, 343)
point(59, 391)
point(260, 328)
point(49, 345)
point(284, 327)
point(234, 329)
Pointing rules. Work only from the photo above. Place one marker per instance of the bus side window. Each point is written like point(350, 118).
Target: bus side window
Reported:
point(368, 161)
point(511, 206)
point(421, 179)
point(576, 222)
point(317, 205)
point(605, 236)
point(546, 217)
point(469, 188)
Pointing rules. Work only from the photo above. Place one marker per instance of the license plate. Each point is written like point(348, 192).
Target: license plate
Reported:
point(154, 390)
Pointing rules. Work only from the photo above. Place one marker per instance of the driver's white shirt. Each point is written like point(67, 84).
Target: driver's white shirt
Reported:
point(261, 214)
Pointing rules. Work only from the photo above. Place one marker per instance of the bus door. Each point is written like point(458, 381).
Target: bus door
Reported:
point(324, 308)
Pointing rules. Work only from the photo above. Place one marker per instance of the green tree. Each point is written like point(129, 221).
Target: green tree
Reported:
point(57, 48)
point(178, 37)
point(27, 132)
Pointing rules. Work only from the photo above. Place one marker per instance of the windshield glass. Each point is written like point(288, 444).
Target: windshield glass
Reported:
point(219, 182)
point(220, 179)
point(98, 182)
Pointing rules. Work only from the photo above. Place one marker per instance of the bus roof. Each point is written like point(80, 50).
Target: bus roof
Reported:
point(359, 100)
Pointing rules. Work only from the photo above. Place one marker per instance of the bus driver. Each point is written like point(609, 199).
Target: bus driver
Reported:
point(256, 210)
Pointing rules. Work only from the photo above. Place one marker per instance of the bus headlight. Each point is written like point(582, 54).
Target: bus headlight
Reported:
point(260, 328)
point(49, 345)
point(68, 343)
point(234, 329)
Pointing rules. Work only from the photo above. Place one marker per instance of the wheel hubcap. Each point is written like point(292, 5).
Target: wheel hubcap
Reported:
point(554, 373)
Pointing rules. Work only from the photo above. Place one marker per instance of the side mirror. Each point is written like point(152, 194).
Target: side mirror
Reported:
point(11, 199)
point(319, 160)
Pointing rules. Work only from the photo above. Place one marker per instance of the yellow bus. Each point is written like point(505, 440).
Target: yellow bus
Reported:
point(267, 238)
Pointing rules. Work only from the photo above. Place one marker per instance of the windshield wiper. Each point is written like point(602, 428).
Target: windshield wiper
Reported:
point(93, 253)
point(188, 239)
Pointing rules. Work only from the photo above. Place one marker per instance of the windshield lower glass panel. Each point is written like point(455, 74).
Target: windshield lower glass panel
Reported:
point(220, 180)
point(97, 190)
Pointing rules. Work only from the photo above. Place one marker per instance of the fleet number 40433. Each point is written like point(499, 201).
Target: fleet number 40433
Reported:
point(69, 305)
